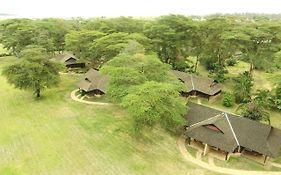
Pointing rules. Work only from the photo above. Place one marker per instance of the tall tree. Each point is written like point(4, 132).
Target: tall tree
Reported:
point(16, 34)
point(155, 103)
point(115, 25)
point(34, 73)
point(216, 46)
point(171, 37)
point(264, 39)
point(80, 42)
point(109, 46)
point(127, 70)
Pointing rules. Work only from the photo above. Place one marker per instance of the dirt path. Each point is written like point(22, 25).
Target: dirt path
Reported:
point(212, 167)
point(75, 98)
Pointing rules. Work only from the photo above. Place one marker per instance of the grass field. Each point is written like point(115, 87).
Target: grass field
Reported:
point(244, 164)
point(55, 135)
point(2, 50)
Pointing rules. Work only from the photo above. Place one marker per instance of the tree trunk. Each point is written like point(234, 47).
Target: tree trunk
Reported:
point(196, 64)
point(251, 67)
point(269, 122)
point(38, 93)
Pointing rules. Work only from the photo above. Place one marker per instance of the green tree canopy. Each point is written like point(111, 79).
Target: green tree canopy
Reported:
point(33, 73)
point(171, 36)
point(155, 103)
point(79, 42)
point(127, 70)
point(16, 34)
point(109, 46)
point(115, 25)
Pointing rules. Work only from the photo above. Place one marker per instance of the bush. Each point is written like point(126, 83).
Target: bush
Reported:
point(5, 54)
point(218, 74)
point(228, 99)
point(231, 62)
point(181, 66)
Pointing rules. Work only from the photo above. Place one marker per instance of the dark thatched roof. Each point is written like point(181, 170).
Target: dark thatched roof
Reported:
point(198, 83)
point(65, 58)
point(231, 131)
point(93, 80)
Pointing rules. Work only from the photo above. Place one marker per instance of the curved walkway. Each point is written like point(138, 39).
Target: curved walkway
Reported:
point(75, 98)
point(212, 167)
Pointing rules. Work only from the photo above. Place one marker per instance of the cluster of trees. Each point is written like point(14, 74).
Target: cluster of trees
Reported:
point(256, 105)
point(146, 88)
point(213, 40)
point(130, 50)
point(17, 34)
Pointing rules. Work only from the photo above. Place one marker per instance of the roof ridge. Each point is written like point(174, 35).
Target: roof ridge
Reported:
point(231, 128)
point(191, 78)
point(199, 123)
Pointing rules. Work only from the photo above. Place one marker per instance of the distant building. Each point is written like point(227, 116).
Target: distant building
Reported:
point(231, 134)
point(93, 82)
point(69, 60)
point(198, 86)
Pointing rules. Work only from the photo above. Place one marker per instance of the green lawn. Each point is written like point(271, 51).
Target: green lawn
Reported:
point(2, 50)
point(244, 164)
point(55, 135)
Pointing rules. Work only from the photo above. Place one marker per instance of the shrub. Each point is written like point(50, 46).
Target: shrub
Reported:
point(218, 73)
point(181, 66)
point(231, 62)
point(5, 54)
point(228, 99)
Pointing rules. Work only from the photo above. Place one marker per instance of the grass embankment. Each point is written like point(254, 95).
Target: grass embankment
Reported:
point(55, 135)
point(243, 163)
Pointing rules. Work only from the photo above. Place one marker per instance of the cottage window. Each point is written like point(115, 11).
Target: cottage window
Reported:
point(213, 127)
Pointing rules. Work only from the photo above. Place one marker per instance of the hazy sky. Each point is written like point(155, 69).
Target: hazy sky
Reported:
point(92, 8)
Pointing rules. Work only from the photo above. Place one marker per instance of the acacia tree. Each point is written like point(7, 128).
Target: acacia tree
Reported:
point(216, 48)
point(34, 73)
point(79, 42)
point(114, 25)
point(155, 103)
point(146, 88)
point(262, 43)
point(127, 70)
point(171, 37)
point(109, 46)
point(16, 34)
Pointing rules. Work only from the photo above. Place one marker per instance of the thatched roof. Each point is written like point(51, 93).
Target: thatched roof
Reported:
point(64, 58)
point(231, 131)
point(198, 83)
point(93, 80)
